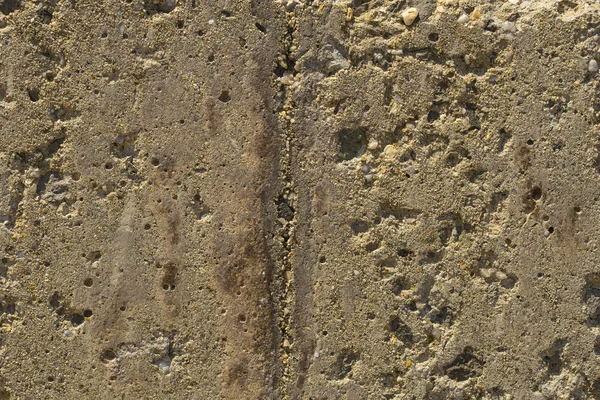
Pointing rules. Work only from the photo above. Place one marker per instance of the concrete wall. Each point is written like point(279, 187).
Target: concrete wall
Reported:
point(299, 199)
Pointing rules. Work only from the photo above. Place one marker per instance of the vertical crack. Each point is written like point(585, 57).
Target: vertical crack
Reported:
point(286, 202)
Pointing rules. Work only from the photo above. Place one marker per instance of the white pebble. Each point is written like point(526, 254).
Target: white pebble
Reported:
point(509, 26)
point(454, 233)
point(369, 178)
point(593, 65)
point(286, 79)
point(373, 144)
point(463, 19)
point(486, 273)
point(211, 21)
point(409, 15)
point(164, 365)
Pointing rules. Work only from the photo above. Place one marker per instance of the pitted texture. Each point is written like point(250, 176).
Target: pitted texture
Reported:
point(361, 199)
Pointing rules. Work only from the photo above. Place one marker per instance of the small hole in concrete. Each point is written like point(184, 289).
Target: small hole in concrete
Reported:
point(509, 282)
point(155, 161)
point(108, 165)
point(87, 313)
point(433, 37)
point(433, 116)
point(34, 94)
point(536, 193)
point(46, 16)
point(159, 6)
point(225, 97)
point(551, 230)
point(77, 319)
point(359, 227)
point(398, 285)
point(88, 282)
point(372, 246)
point(108, 355)
point(351, 143)
point(404, 252)
point(9, 6)
point(260, 27)
point(147, 226)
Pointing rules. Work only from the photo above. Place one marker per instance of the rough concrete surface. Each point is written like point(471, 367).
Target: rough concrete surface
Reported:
point(299, 199)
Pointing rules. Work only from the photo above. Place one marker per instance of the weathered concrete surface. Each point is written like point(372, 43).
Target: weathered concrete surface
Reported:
point(299, 199)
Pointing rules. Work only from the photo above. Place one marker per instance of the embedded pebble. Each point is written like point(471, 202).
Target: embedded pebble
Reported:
point(373, 144)
point(409, 15)
point(164, 365)
point(593, 65)
point(463, 19)
point(286, 79)
point(509, 26)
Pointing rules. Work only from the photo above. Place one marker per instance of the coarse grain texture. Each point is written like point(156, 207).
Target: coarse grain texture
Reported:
point(354, 199)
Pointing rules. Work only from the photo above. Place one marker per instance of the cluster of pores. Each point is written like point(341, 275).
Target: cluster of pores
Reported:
point(410, 15)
